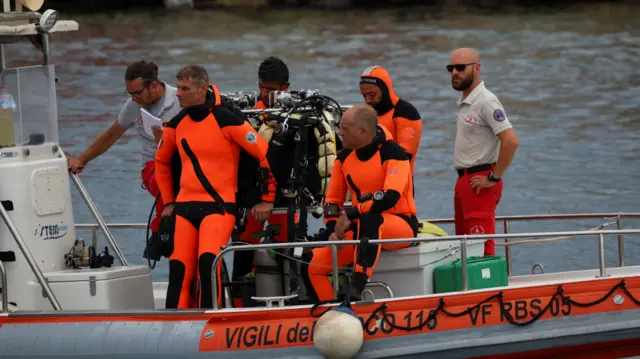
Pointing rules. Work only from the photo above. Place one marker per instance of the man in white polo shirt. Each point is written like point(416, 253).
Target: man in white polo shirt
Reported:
point(484, 148)
point(158, 98)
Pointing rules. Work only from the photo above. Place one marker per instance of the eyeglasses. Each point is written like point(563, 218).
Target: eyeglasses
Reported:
point(137, 93)
point(458, 67)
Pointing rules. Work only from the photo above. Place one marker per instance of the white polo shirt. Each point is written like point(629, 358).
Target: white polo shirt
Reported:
point(481, 118)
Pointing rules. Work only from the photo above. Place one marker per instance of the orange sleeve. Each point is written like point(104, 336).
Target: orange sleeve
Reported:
point(166, 150)
point(408, 135)
point(336, 193)
point(247, 138)
point(398, 172)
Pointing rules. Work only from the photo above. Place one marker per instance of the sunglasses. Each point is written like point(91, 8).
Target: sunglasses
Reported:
point(458, 67)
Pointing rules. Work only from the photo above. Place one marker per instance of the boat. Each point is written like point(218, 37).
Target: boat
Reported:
point(62, 298)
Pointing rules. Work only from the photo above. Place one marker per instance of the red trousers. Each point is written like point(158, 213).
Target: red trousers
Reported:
point(150, 184)
point(476, 213)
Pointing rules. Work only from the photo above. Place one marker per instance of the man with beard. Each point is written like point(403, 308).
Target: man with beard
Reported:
point(398, 116)
point(484, 148)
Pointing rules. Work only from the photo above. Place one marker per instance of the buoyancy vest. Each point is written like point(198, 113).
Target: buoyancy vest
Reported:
point(321, 151)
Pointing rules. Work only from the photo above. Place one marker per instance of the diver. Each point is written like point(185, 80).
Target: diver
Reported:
point(318, 146)
point(204, 207)
point(273, 75)
point(398, 116)
point(377, 172)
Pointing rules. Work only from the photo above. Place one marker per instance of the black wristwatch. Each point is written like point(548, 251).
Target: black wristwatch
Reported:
point(491, 178)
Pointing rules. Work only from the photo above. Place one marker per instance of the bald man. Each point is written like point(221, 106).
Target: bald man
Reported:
point(377, 173)
point(484, 148)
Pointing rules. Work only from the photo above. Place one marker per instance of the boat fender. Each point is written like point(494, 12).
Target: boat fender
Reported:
point(338, 333)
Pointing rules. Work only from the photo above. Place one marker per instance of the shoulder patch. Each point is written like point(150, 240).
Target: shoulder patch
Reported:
point(390, 150)
point(226, 117)
point(175, 121)
point(406, 110)
point(343, 154)
point(250, 137)
point(498, 115)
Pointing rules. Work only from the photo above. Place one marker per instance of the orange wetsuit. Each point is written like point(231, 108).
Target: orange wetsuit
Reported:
point(398, 116)
point(209, 139)
point(382, 172)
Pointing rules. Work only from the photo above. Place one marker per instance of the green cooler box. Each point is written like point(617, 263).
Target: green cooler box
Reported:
point(482, 272)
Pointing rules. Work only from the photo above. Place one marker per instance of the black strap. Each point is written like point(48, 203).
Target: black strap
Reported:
point(474, 169)
point(200, 174)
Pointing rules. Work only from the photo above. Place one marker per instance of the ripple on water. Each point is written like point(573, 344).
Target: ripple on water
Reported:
point(568, 80)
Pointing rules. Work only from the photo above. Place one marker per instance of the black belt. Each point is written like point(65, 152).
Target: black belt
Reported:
point(474, 169)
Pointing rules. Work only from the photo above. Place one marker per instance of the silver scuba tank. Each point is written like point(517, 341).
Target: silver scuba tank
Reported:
point(268, 274)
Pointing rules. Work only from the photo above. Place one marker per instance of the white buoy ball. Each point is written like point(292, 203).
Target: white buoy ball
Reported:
point(338, 334)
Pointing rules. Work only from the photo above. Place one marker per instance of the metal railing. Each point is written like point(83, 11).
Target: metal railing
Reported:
point(105, 229)
point(30, 260)
point(463, 249)
point(5, 297)
point(547, 217)
point(504, 219)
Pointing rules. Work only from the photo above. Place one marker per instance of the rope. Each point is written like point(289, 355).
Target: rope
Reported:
point(431, 319)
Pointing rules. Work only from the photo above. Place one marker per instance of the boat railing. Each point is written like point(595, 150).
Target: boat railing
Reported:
point(463, 249)
point(101, 223)
point(506, 220)
point(5, 297)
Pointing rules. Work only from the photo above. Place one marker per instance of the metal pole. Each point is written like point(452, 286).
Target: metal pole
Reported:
point(45, 48)
point(620, 242)
point(334, 266)
point(5, 296)
point(3, 58)
point(94, 237)
point(603, 271)
point(507, 250)
point(463, 261)
point(85, 196)
point(30, 259)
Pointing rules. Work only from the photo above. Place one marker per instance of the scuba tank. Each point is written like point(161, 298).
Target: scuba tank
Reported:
point(268, 269)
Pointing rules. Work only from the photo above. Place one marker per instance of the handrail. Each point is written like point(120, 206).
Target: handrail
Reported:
point(504, 219)
point(5, 297)
point(32, 262)
point(434, 221)
point(112, 242)
point(463, 248)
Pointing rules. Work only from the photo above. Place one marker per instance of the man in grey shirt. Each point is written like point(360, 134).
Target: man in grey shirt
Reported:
point(159, 99)
point(484, 148)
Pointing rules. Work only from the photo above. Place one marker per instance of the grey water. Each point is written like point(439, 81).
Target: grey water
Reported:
point(568, 78)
